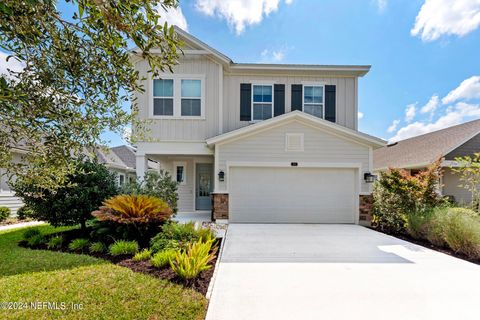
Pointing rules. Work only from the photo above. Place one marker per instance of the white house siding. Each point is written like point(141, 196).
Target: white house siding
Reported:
point(186, 192)
point(346, 89)
point(7, 197)
point(269, 146)
point(451, 187)
point(184, 129)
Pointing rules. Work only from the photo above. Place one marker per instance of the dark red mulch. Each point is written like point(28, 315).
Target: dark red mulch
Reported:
point(426, 244)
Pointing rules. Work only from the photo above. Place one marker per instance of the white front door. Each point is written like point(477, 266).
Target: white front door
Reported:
point(292, 195)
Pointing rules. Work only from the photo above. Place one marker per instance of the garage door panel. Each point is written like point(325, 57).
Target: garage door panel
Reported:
point(292, 195)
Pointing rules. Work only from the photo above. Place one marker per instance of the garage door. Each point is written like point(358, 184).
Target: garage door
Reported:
point(292, 195)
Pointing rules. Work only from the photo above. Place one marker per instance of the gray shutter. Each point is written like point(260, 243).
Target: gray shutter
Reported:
point(245, 102)
point(278, 99)
point(297, 99)
point(330, 103)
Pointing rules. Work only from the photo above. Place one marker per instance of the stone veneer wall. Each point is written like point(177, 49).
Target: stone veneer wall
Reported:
point(219, 206)
point(366, 208)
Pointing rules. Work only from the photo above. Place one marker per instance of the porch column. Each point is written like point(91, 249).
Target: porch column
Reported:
point(142, 165)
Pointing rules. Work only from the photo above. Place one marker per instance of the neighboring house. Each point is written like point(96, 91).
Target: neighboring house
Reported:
point(418, 152)
point(268, 143)
point(7, 196)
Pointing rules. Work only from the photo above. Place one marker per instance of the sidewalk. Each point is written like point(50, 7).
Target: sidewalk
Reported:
point(21, 225)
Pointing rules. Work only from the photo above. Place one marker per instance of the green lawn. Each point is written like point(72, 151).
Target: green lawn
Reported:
point(104, 290)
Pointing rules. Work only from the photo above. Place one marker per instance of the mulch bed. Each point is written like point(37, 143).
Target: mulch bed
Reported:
point(426, 244)
point(199, 284)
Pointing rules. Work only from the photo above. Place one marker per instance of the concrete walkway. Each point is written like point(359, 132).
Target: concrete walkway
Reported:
point(338, 272)
point(21, 225)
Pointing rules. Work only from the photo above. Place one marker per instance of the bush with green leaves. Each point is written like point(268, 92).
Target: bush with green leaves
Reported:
point(122, 247)
point(24, 213)
point(29, 233)
point(397, 194)
point(163, 258)
point(55, 242)
point(188, 263)
point(97, 247)
point(176, 235)
point(4, 213)
point(462, 232)
point(79, 244)
point(156, 184)
point(82, 193)
point(36, 240)
point(143, 255)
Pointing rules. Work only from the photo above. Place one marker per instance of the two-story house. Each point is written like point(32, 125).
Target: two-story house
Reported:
point(269, 143)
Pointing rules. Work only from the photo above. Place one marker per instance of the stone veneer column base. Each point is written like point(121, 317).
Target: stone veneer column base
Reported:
point(365, 210)
point(219, 206)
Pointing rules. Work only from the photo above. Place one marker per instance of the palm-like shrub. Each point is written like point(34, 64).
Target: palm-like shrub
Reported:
point(55, 242)
point(143, 255)
point(138, 209)
point(123, 247)
point(97, 247)
point(78, 244)
point(195, 259)
point(163, 258)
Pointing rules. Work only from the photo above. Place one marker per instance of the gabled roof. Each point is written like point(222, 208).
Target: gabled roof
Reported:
point(424, 149)
point(302, 117)
point(126, 154)
point(121, 157)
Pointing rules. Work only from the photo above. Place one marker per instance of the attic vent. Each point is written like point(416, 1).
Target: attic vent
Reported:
point(294, 142)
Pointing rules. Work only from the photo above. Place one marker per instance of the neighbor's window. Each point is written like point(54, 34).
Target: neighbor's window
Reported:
point(313, 100)
point(191, 104)
point(180, 172)
point(262, 102)
point(163, 97)
point(121, 179)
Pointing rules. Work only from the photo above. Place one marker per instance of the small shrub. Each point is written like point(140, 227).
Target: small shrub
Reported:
point(177, 236)
point(97, 247)
point(205, 234)
point(36, 240)
point(195, 259)
point(417, 223)
point(145, 254)
point(161, 244)
point(435, 232)
point(30, 233)
point(163, 258)
point(55, 242)
point(78, 244)
point(4, 213)
point(123, 247)
point(462, 232)
point(24, 213)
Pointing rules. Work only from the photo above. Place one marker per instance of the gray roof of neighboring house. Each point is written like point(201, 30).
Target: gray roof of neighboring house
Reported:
point(126, 154)
point(121, 157)
point(426, 148)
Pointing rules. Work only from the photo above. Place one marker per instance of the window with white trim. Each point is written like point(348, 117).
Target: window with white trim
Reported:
point(180, 172)
point(191, 97)
point(262, 102)
point(121, 179)
point(313, 100)
point(163, 97)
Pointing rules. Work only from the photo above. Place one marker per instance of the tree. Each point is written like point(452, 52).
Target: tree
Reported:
point(73, 203)
point(469, 170)
point(77, 75)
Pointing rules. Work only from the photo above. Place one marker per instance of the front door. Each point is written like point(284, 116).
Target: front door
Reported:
point(204, 185)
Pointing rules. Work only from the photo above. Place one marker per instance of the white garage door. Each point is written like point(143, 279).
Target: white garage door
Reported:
point(292, 195)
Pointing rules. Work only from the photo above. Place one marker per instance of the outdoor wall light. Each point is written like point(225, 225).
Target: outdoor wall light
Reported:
point(369, 178)
point(221, 176)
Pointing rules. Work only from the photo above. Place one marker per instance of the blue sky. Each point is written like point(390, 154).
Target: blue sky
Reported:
point(424, 53)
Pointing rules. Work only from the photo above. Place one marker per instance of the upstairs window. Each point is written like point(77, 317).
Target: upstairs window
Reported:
point(262, 102)
point(191, 98)
point(163, 97)
point(313, 102)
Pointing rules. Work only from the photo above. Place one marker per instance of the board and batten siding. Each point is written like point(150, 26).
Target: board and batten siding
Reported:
point(269, 146)
point(184, 129)
point(346, 100)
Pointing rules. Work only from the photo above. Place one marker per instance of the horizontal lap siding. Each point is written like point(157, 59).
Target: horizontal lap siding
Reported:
point(345, 87)
point(269, 146)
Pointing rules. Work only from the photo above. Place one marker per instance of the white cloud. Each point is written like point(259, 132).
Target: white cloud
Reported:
point(431, 105)
point(460, 113)
point(446, 17)
point(239, 13)
point(12, 64)
point(467, 90)
point(360, 115)
point(381, 5)
point(393, 126)
point(275, 56)
point(173, 16)
point(410, 112)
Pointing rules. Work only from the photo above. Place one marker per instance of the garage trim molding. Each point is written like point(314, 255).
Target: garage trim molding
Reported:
point(326, 165)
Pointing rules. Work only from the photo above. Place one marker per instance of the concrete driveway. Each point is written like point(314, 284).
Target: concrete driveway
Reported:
point(338, 272)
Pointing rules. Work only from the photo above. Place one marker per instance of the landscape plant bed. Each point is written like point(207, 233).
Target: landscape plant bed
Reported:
point(429, 245)
point(199, 284)
point(13, 220)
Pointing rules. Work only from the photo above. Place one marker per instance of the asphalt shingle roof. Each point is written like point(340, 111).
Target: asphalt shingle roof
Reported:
point(425, 148)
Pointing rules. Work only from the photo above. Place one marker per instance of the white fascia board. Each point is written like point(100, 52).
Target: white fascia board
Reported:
point(174, 148)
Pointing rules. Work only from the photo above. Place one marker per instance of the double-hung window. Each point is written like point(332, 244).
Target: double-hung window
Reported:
point(262, 102)
point(180, 172)
point(191, 104)
point(313, 101)
point(163, 97)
